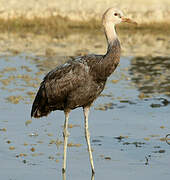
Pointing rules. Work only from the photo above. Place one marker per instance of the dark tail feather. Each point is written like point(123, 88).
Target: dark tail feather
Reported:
point(40, 105)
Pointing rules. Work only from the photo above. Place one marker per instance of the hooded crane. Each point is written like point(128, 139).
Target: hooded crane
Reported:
point(79, 81)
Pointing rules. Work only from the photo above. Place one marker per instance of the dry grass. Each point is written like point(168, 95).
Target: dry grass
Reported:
point(55, 26)
point(153, 28)
point(65, 17)
point(58, 27)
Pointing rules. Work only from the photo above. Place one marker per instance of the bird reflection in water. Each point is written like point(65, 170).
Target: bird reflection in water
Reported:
point(64, 176)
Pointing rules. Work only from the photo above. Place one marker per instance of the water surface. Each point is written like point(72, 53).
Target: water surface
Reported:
point(128, 123)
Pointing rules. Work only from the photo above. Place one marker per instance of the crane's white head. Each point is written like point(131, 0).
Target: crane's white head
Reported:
point(110, 18)
point(115, 16)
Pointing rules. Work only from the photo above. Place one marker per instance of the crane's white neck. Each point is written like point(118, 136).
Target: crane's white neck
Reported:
point(110, 32)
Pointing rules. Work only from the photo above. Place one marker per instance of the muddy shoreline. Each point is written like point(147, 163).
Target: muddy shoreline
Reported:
point(133, 44)
point(45, 28)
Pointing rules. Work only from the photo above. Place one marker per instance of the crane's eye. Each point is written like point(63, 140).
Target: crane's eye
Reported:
point(115, 14)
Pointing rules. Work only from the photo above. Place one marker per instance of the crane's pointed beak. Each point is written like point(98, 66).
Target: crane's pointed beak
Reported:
point(124, 19)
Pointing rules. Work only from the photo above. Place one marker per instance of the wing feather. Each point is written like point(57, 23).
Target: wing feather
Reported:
point(63, 80)
point(61, 83)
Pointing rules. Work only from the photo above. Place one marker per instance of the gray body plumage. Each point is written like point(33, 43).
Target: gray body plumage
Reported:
point(77, 83)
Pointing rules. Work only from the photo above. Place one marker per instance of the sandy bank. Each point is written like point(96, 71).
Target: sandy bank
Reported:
point(143, 11)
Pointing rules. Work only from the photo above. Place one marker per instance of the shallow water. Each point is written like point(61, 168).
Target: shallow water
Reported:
point(128, 123)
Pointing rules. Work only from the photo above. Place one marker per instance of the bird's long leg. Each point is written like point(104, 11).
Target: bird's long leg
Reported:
point(87, 135)
point(64, 176)
point(92, 176)
point(65, 135)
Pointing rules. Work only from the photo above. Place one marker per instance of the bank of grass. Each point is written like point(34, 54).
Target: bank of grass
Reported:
point(55, 26)
point(58, 27)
